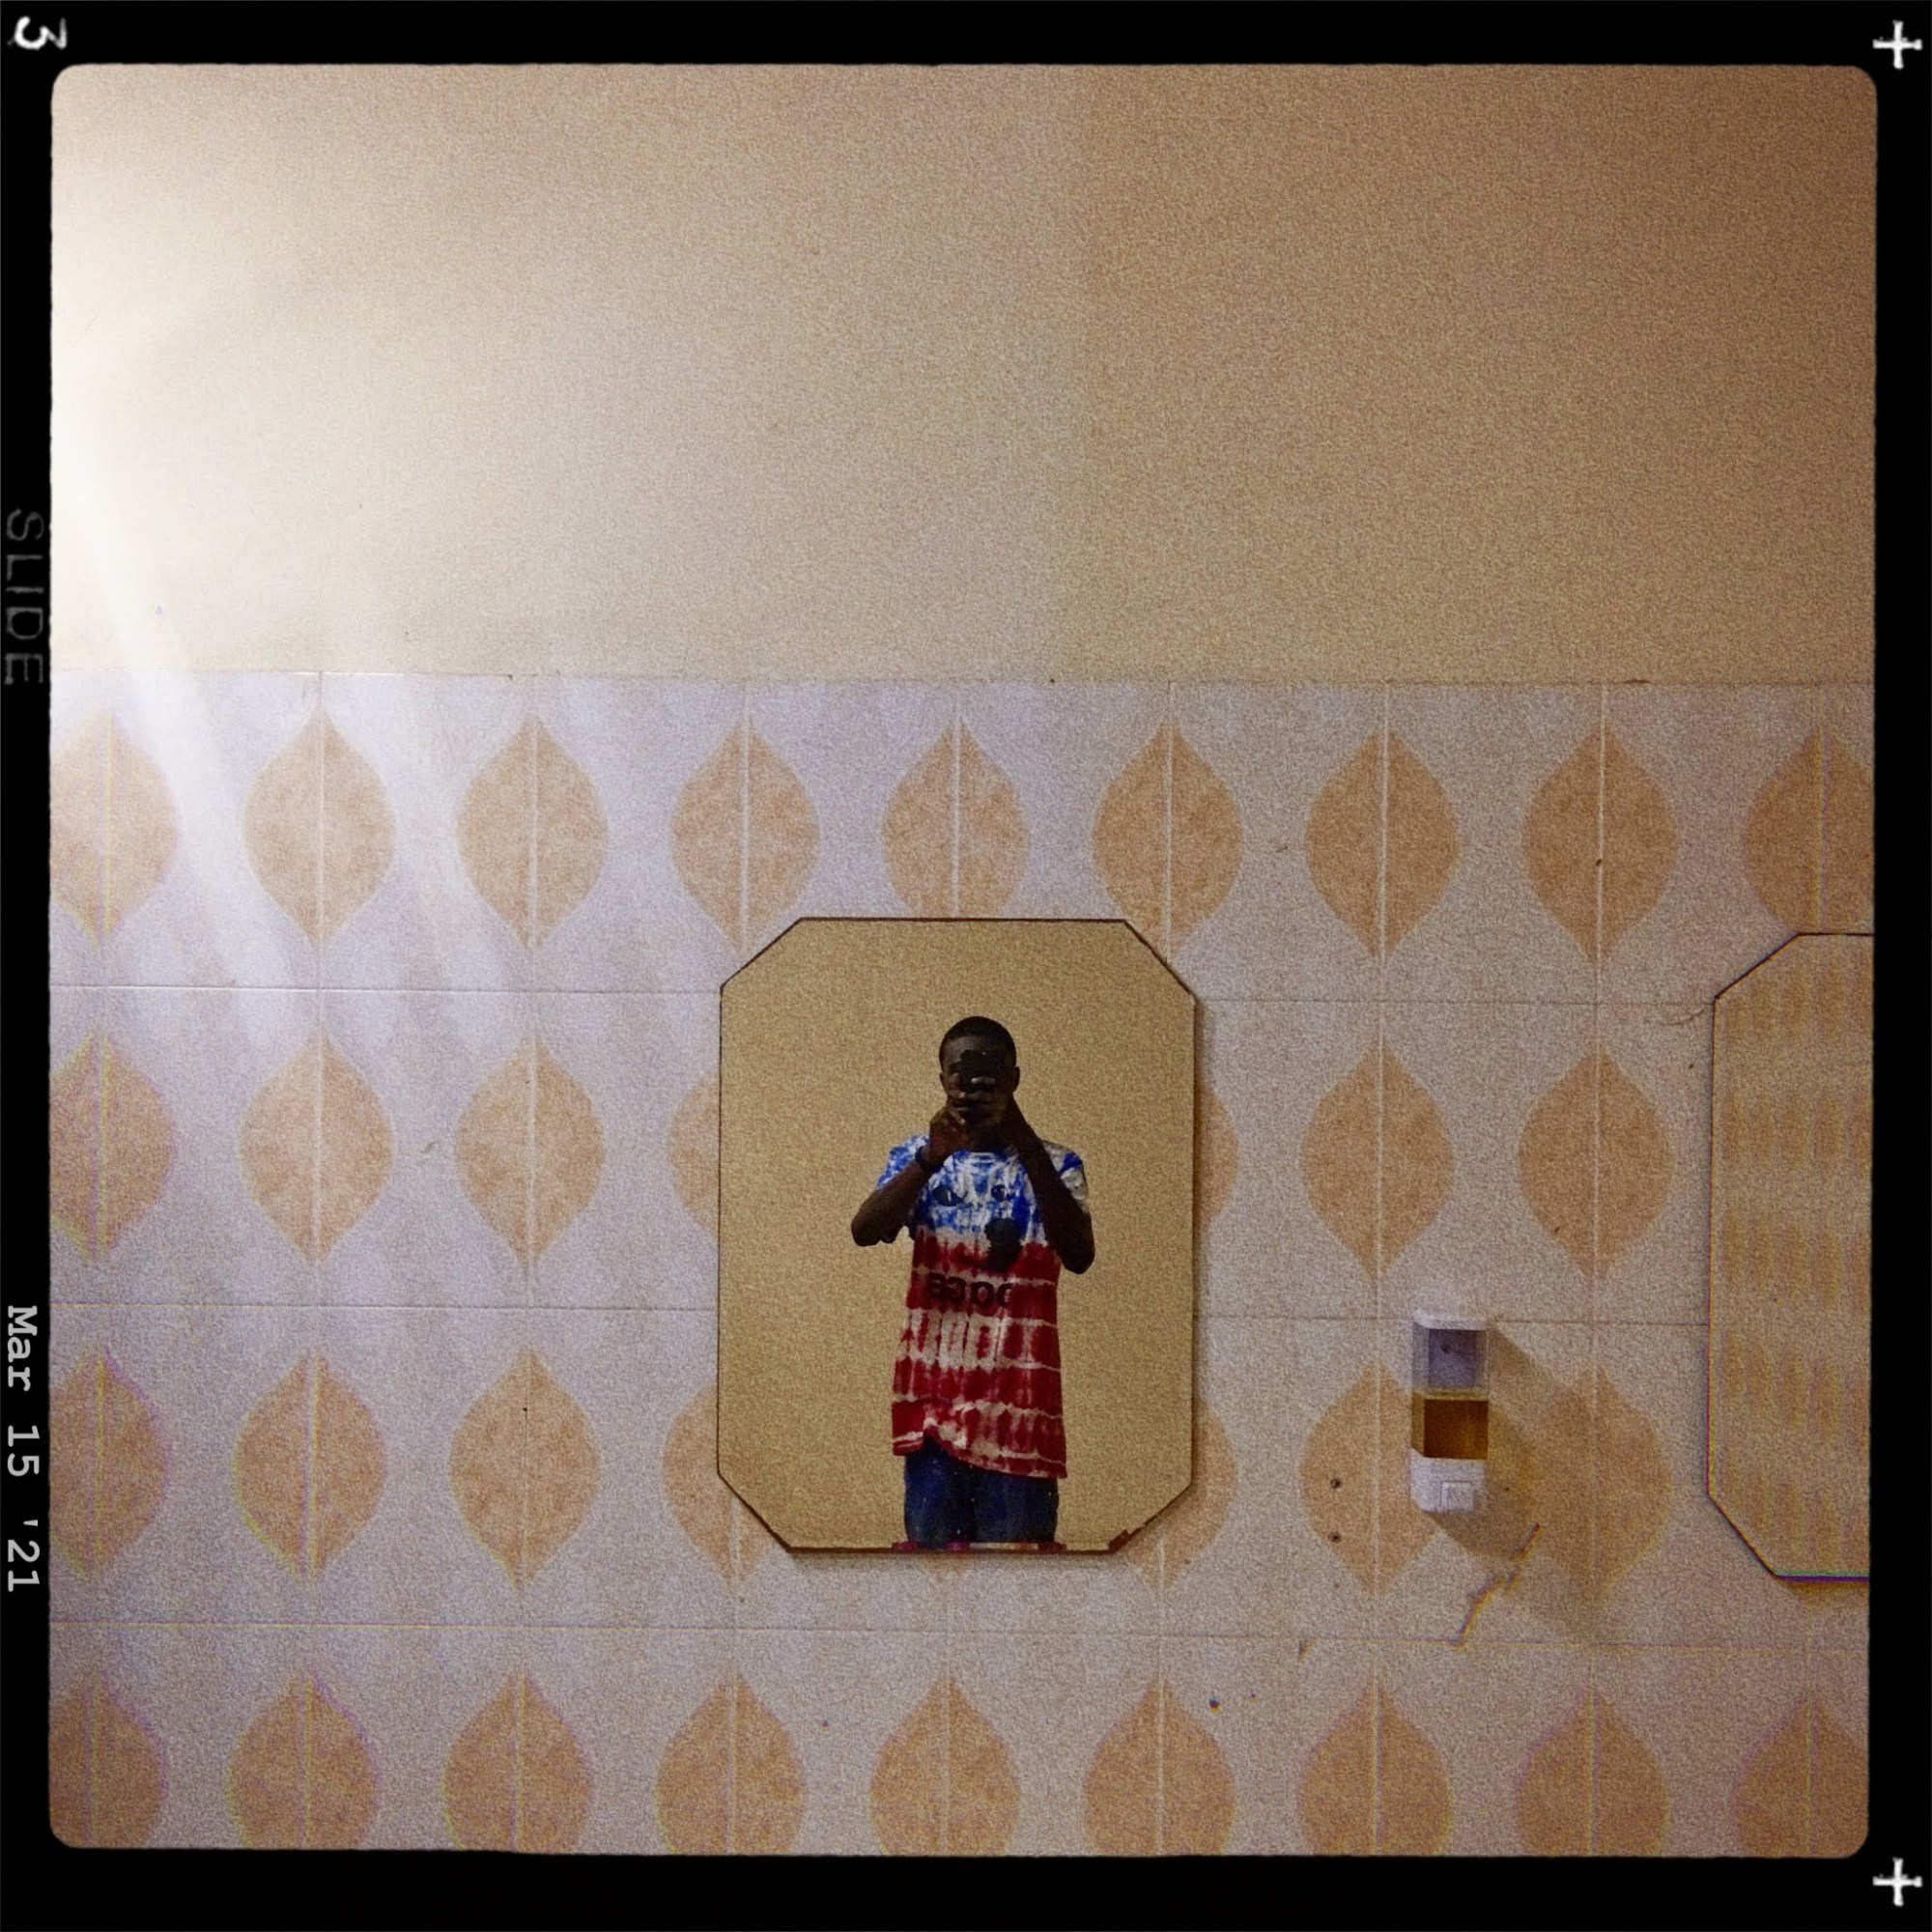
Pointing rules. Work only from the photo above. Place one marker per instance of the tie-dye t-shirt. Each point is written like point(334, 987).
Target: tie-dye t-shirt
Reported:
point(979, 1362)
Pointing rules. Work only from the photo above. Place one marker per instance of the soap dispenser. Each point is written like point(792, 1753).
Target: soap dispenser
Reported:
point(1449, 1411)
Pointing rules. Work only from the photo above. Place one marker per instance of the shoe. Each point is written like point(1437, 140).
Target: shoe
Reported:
point(906, 1549)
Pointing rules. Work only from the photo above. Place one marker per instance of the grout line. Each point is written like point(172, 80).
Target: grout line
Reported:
point(745, 823)
point(96, 1247)
point(1810, 1743)
point(524, 1491)
point(1375, 1747)
point(103, 928)
point(313, 1371)
point(320, 831)
point(735, 1675)
point(1602, 856)
point(731, 1687)
point(1279, 1640)
point(529, 1254)
point(99, 1460)
point(1167, 832)
point(308, 1760)
point(517, 1761)
point(1374, 1348)
point(100, 674)
point(1159, 1748)
point(529, 934)
point(1699, 998)
point(314, 1255)
point(1381, 1154)
point(1590, 1762)
point(1597, 1272)
point(1160, 1681)
point(1381, 859)
point(1596, 1189)
point(731, 1695)
point(96, 1691)
point(709, 1309)
point(1824, 736)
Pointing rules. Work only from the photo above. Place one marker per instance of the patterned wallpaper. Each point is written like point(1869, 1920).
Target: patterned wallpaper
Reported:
point(383, 1130)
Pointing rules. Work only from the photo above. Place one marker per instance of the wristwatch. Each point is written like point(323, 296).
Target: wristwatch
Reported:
point(919, 1163)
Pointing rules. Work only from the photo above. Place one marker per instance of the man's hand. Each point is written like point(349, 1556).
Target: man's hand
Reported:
point(947, 1133)
point(1018, 1129)
point(1069, 1228)
point(982, 1120)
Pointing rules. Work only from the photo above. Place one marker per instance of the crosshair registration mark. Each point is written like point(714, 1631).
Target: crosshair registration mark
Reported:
point(1898, 47)
point(1897, 1881)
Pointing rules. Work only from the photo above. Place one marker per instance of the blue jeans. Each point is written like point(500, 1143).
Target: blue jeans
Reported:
point(951, 1501)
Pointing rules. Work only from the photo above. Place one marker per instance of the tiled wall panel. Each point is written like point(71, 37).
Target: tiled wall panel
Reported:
point(384, 1042)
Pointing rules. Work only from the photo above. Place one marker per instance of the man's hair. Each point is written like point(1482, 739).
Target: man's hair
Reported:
point(978, 1027)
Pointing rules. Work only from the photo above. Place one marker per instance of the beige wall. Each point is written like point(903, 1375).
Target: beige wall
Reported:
point(1356, 374)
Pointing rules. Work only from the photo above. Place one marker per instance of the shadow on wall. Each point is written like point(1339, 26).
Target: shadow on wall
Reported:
point(1577, 1491)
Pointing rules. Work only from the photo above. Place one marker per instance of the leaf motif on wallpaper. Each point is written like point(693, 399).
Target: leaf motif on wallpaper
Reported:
point(1376, 1160)
point(1593, 1163)
point(692, 1149)
point(1167, 840)
point(1598, 805)
point(112, 829)
point(1374, 1783)
point(943, 1784)
point(319, 830)
point(1181, 1532)
point(107, 1467)
point(744, 836)
point(516, 1778)
point(1158, 1784)
point(1630, 1483)
point(523, 1467)
point(707, 1507)
point(1803, 1790)
point(110, 1146)
point(105, 1774)
point(1362, 1441)
point(530, 1150)
point(302, 1777)
point(1342, 842)
point(955, 837)
point(310, 1466)
point(730, 1780)
point(531, 833)
point(1808, 839)
point(1380, 843)
point(1592, 1787)
point(316, 1147)
point(1217, 1154)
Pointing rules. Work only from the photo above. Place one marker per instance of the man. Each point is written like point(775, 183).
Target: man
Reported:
point(995, 1211)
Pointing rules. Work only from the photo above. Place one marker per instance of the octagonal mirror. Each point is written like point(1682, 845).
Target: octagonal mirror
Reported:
point(915, 1347)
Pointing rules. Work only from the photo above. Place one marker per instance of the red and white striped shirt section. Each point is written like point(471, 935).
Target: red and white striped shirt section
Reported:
point(978, 1361)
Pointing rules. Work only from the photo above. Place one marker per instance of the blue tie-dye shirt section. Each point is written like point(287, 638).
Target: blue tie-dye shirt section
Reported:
point(975, 1189)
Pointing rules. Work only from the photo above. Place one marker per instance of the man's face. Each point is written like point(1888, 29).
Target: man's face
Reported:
point(978, 1077)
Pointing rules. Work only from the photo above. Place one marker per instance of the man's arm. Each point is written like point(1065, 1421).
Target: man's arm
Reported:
point(886, 1209)
point(1068, 1226)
